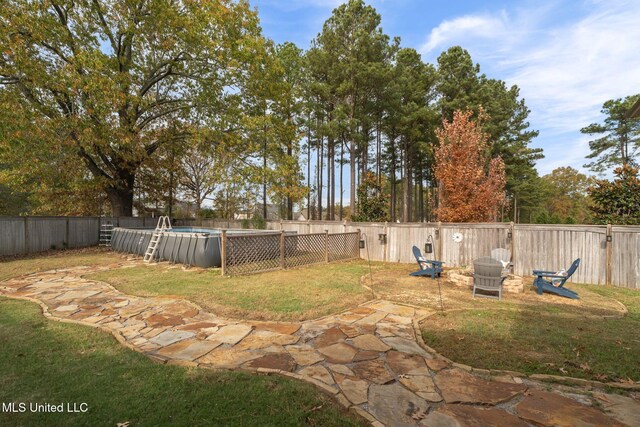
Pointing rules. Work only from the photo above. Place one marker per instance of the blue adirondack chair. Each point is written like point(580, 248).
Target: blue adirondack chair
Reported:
point(428, 267)
point(555, 282)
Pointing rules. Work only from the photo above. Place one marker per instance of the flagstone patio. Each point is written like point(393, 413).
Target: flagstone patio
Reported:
point(368, 358)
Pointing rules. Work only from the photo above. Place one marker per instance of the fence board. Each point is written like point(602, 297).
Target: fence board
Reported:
point(554, 247)
point(12, 236)
point(131, 222)
point(374, 249)
point(45, 233)
point(20, 235)
point(297, 226)
point(218, 223)
point(401, 239)
point(625, 257)
point(82, 232)
point(478, 240)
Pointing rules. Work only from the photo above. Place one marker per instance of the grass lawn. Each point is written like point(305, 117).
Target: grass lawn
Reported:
point(296, 294)
point(525, 332)
point(44, 361)
point(11, 267)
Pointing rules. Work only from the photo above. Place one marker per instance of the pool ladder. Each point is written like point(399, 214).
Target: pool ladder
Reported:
point(106, 232)
point(164, 224)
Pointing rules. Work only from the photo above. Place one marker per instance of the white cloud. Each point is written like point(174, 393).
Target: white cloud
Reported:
point(484, 26)
point(565, 70)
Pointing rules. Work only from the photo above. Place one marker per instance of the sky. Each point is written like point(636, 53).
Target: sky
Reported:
point(567, 56)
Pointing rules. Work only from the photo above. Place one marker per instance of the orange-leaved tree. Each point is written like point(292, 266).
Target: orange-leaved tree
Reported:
point(471, 185)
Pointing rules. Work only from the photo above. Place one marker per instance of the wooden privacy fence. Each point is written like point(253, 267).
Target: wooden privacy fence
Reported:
point(28, 234)
point(610, 254)
point(255, 253)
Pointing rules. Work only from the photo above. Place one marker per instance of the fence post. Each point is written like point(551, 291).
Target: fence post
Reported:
point(609, 246)
point(439, 239)
point(281, 247)
point(223, 251)
point(385, 249)
point(512, 247)
point(359, 237)
point(66, 244)
point(326, 246)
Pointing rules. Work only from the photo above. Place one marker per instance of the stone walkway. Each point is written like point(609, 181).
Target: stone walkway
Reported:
point(368, 357)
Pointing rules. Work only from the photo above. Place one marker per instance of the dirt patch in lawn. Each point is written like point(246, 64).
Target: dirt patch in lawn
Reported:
point(395, 284)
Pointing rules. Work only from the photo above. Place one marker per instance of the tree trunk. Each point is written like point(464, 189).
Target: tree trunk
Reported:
point(121, 197)
point(406, 190)
point(198, 208)
point(416, 197)
point(320, 170)
point(352, 166)
point(264, 181)
point(308, 171)
point(332, 201)
point(289, 200)
point(421, 196)
point(365, 153)
point(624, 146)
point(170, 212)
point(392, 176)
point(330, 183)
point(341, 165)
point(171, 180)
point(378, 153)
point(428, 207)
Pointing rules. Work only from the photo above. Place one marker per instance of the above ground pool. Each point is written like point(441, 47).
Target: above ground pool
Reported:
point(185, 245)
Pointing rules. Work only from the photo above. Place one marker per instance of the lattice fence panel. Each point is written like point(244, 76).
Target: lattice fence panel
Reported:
point(304, 249)
point(247, 254)
point(343, 246)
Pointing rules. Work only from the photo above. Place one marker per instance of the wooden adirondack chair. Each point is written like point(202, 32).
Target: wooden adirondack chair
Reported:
point(555, 284)
point(428, 267)
point(487, 276)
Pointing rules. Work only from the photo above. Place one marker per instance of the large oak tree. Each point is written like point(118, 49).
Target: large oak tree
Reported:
point(104, 84)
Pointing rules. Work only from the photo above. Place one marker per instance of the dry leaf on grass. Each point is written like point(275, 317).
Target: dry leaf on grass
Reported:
point(585, 367)
point(601, 377)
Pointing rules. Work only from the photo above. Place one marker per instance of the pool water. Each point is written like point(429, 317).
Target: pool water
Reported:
point(217, 231)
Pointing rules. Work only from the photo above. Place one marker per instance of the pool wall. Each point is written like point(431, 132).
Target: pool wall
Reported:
point(190, 248)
